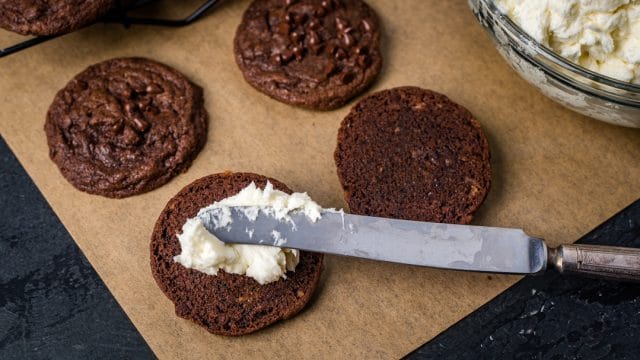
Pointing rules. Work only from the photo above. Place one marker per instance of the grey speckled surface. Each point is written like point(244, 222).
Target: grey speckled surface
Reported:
point(554, 317)
point(52, 303)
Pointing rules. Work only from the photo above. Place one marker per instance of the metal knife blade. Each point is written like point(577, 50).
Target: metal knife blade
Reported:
point(460, 247)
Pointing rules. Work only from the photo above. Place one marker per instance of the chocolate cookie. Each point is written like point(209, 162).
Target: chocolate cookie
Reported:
point(125, 126)
point(30, 17)
point(226, 304)
point(316, 54)
point(413, 154)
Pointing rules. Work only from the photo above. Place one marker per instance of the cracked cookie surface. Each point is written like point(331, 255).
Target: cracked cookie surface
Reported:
point(49, 17)
point(316, 54)
point(125, 126)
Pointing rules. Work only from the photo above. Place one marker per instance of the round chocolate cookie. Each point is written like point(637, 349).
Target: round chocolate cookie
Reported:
point(226, 304)
point(316, 54)
point(125, 126)
point(413, 154)
point(30, 17)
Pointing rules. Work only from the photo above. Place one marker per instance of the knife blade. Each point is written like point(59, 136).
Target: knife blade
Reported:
point(437, 245)
point(461, 247)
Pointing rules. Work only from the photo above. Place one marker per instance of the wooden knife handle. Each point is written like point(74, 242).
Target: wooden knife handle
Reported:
point(610, 262)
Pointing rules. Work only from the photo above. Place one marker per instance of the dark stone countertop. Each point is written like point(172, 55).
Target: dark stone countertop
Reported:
point(552, 316)
point(52, 302)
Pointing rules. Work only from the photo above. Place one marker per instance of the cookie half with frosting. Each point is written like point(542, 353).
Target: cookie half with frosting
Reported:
point(222, 294)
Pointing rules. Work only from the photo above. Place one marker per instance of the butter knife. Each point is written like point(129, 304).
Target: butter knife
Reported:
point(445, 246)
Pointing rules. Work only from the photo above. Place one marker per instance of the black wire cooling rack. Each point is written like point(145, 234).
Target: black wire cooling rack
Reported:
point(119, 16)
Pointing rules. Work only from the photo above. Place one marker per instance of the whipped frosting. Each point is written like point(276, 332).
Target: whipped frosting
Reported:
point(600, 35)
point(204, 252)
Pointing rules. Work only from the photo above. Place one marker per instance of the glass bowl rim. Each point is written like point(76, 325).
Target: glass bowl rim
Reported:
point(556, 58)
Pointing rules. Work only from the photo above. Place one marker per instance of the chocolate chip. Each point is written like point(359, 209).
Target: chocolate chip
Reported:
point(298, 51)
point(287, 55)
point(346, 40)
point(319, 12)
point(362, 50)
point(314, 24)
point(117, 127)
point(351, 62)
point(340, 54)
point(331, 48)
point(144, 102)
point(140, 124)
point(289, 17)
point(276, 59)
point(366, 25)
point(326, 4)
point(296, 36)
point(314, 39)
point(341, 24)
point(129, 108)
point(153, 89)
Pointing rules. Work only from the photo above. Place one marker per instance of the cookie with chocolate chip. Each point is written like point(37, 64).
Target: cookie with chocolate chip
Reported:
point(29, 17)
point(125, 126)
point(413, 154)
point(225, 304)
point(316, 54)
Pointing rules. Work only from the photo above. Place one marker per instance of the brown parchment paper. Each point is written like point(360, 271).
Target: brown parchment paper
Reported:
point(556, 174)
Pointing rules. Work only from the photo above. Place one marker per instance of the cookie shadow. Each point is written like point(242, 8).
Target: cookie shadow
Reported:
point(495, 197)
point(326, 272)
point(386, 48)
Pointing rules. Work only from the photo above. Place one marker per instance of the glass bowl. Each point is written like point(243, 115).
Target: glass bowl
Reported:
point(579, 89)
